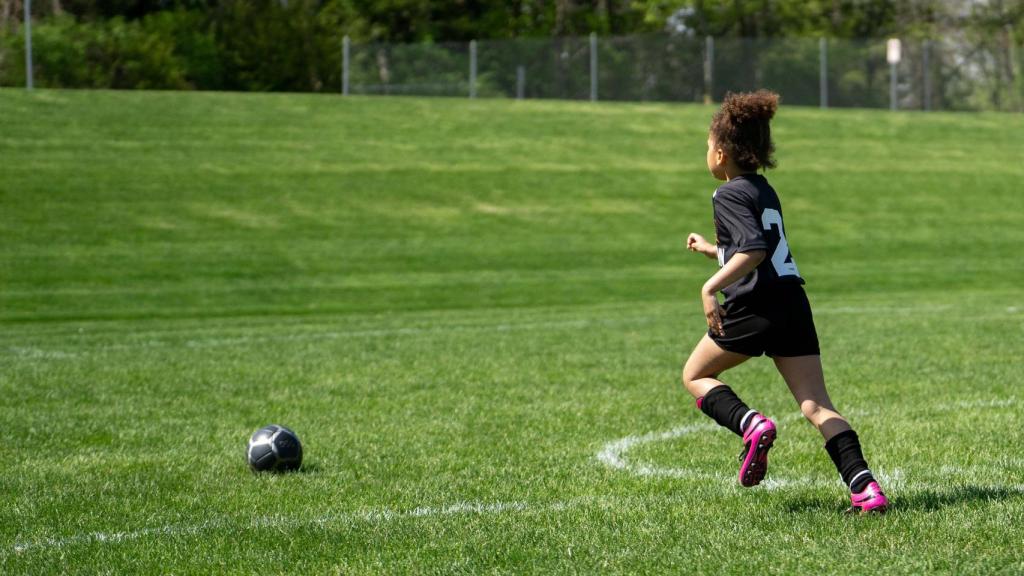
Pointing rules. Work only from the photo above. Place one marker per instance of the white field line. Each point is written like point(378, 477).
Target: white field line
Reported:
point(613, 454)
point(201, 343)
point(883, 310)
point(969, 404)
point(384, 323)
point(32, 352)
point(281, 522)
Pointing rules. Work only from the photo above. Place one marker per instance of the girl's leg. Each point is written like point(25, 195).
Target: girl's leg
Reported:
point(700, 376)
point(706, 362)
point(806, 381)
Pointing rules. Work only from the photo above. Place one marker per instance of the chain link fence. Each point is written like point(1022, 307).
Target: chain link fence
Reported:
point(951, 73)
point(930, 75)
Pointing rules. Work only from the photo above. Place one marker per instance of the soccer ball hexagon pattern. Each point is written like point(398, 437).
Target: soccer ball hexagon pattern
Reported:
point(274, 448)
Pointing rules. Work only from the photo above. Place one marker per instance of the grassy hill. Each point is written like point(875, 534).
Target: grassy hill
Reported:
point(472, 312)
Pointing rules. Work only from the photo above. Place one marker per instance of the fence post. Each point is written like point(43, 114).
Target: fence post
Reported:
point(1015, 71)
point(593, 67)
point(520, 82)
point(29, 84)
point(345, 42)
point(892, 86)
point(926, 49)
point(472, 68)
point(709, 58)
point(823, 74)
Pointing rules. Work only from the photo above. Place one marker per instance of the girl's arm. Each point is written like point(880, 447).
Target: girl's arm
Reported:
point(741, 264)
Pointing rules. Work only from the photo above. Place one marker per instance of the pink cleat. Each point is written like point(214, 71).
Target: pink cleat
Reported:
point(757, 440)
point(870, 500)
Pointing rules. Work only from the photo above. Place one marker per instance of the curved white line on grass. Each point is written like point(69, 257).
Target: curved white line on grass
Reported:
point(613, 454)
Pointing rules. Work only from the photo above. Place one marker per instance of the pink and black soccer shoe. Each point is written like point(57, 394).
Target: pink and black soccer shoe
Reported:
point(757, 440)
point(869, 500)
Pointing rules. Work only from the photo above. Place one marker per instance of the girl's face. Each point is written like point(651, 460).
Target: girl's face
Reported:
point(716, 159)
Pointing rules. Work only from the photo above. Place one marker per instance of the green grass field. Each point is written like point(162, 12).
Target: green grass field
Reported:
point(474, 314)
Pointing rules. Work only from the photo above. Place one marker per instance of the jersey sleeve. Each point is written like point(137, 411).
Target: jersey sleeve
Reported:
point(738, 217)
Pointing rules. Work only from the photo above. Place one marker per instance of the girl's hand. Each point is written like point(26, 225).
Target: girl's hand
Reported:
point(696, 243)
point(713, 312)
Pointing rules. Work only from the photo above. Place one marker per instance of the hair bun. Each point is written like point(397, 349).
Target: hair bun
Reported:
point(745, 106)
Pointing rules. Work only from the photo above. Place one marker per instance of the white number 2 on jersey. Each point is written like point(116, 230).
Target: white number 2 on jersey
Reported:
point(771, 217)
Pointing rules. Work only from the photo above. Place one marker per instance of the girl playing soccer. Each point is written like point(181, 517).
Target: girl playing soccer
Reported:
point(765, 310)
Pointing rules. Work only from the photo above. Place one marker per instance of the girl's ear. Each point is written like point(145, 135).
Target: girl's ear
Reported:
point(719, 156)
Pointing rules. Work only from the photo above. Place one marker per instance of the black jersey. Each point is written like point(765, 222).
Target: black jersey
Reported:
point(748, 216)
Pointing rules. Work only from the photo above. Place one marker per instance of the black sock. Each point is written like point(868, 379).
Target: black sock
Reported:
point(844, 449)
point(722, 404)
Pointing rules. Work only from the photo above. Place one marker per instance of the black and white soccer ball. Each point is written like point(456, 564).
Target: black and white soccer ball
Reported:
point(274, 448)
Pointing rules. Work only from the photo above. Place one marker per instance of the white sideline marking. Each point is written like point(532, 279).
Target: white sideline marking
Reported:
point(373, 516)
point(33, 352)
point(881, 310)
point(894, 479)
point(967, 404)
point(200, 343)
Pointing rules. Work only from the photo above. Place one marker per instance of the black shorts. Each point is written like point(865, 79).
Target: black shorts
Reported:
point(776, 322)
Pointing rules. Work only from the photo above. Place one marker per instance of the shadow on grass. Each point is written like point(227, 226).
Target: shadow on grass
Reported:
point(309, 468)
point(927, 500)
point(305, 468)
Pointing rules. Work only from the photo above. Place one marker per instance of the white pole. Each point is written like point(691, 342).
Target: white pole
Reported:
point(472, 68)
point(520, 82)
point(823, 75)
point(29, 84)
point(593, 67)
point(345, 43)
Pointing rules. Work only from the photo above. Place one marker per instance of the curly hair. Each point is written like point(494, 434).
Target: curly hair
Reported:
point(740, 128)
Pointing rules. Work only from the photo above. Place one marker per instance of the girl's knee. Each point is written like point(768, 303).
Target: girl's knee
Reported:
point(812, 410)
point(691, 373)
point(818, 413)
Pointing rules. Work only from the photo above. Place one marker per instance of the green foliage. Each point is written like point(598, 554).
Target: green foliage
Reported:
point(165, 50)
point(850, 19)
point(112, 53)
point(195, 46)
